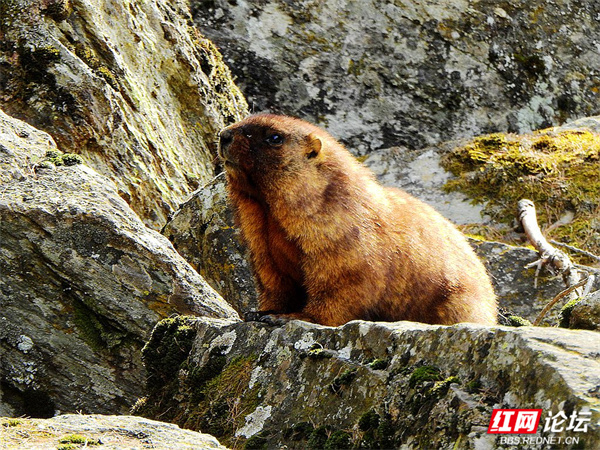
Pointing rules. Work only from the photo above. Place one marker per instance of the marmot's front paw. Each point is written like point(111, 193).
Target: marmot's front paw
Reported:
point(253, 316)
point(267, 317)
point(274, 320)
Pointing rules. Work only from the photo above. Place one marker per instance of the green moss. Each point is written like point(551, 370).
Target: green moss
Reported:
point(96, 330)
point(256, 442)
point(12, 423)
point(87, 55)
point(558, 171)
point(58, 158)
point(372, 431)
point(518, 321)
point(199, 376)
point(473, 386)
point(168, 347)
point(71, 159)
point(378, 364)
point(213, 397)
point(108, 76)
point(378, 431)
point(44, 55)
point(224, 91)
point(344, 379)
point(316, 352)
point(318, 438)
point(225, 400)
point(59, 10)
point(53, 154)
point(319, 353)
point(423, 374)
point(298, 432)
point(564, 316)
point(368, 421)
point(533, 65)
point(78, 439)
point(67, 446)
point(338, 440)
point(440, 388)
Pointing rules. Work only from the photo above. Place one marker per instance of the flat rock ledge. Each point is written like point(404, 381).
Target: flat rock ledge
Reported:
point(372, 385)
point(102, 432)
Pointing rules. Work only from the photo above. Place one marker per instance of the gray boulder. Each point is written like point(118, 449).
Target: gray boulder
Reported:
point(382, 74)
point(203, 231)
point(369, 385)
point(83, 283)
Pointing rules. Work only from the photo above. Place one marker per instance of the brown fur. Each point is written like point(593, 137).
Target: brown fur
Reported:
point(328, 244)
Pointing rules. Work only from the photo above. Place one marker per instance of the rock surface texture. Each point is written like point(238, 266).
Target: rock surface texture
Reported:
point(203, 231)
point(83, 283)
point(129, 85)
point(103, 432)
point(377, 385)
point(586, 313)
point(412, 73)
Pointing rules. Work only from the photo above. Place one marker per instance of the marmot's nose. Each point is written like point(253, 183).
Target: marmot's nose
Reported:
point(225, 139)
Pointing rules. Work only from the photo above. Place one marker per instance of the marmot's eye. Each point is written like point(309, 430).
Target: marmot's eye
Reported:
point(274, 139)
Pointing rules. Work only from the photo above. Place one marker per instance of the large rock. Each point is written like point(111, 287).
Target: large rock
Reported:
point(110, 432)
point(203, 231)
point(586, 313)
point(83, 283)
point(131, 86)
point(419, 172)
point(383, 385)
point(412, 73)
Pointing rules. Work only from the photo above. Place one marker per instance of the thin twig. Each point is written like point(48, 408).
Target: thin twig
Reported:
point(577, 250)
point(588, 286)
point(587, 268)
point(564, 293)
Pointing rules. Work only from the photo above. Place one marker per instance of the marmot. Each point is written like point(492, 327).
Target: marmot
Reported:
point(329, 244)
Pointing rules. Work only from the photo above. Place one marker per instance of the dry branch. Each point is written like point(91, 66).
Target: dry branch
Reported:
point(553, 259)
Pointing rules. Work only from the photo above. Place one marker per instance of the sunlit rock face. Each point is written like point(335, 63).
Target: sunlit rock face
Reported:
point(412, 73)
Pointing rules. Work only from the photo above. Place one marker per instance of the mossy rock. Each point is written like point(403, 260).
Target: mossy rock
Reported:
point(558, 170)
point(168, 347)
point(424, 374)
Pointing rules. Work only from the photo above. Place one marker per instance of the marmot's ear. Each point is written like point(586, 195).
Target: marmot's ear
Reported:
point(314, 146)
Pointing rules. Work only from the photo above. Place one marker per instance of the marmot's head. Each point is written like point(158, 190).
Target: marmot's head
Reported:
point(265, 152)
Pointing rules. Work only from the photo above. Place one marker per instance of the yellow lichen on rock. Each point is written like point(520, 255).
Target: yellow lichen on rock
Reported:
point(557, 169)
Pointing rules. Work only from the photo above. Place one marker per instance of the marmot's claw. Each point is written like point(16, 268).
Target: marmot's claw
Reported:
point(253, 316)
point(270, 319)
point(265, 317)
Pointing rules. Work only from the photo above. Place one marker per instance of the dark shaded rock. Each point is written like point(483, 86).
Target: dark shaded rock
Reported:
point(585, 314)
point(515, 285)
point(202, 230)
